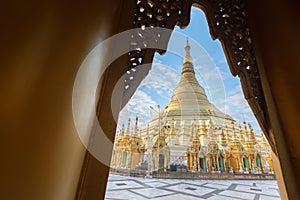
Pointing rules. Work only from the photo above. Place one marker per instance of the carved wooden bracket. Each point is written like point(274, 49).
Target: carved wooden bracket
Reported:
point(152, 13)
point(227, 22)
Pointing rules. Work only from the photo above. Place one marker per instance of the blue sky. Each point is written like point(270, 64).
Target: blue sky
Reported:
point(211, 69)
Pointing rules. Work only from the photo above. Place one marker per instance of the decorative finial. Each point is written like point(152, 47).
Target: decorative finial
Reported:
point(122, 130)
point(233, 131)
point(187, 42)
point(249, 125)
point(128, 127)
point(187, 57)
point(136, 125)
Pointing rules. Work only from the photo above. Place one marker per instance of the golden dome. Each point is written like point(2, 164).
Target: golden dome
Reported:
point(189, 98)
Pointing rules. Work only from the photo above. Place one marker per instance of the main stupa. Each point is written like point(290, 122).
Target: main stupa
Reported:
point(189, 105)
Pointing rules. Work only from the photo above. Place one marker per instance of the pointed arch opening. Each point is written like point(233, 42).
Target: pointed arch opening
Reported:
point(232, 163)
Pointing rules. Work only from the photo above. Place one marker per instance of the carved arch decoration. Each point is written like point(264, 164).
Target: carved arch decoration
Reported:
point(227, 22)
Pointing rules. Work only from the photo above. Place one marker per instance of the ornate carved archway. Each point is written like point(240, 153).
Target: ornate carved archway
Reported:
point(227, 22)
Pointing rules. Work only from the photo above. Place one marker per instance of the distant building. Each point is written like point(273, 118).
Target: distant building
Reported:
point(191, 134)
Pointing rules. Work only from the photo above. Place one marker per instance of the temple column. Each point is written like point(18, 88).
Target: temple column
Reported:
point(213, 164)
point(230, 168)
point(225, 165)
point(249, 163)
point(165, 161)
point(194, 163)
point(117, 155)
point(237, 164)
point(208, 165)
point(241, 165)
point(128, 161)
point(121, 165)
point(188, 161)
point(218, 164)
point(198, 161)
point(117, 159)
point(113, 159)
point(149, 160)
point(121, 161)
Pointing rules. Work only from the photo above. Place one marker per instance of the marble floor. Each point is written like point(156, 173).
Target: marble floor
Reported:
point(121, 188)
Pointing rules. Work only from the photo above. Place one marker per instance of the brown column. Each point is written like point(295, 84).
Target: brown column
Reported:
point(275, 35)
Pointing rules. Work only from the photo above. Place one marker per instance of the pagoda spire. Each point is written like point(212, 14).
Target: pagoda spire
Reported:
point(223, 141)
point(128, 127)
point(246, 138)
point(263, 144)
point(136, 126)
point(227, 134)
point(252, 138)
point(212, 135)
point(241, 136)
point(172, 128)
point(234, 136)
point(122, 132)
point(188, 87)
point(188, 67)
point(187, 57)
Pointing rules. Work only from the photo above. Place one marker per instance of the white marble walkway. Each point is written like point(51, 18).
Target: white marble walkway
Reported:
point(121, 188)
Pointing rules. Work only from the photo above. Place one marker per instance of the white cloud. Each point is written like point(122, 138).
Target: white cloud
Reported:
point(137, 106)
point(161, 77)
point(235, 90)
point(162, 80)
point(237, 107)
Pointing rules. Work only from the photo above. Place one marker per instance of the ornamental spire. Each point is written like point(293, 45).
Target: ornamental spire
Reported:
point(234, 136)
point(128, 127)
point(242, 139)
point(224, 140)
point(188, 61)
point(122, 132)
point(187, 57)
point(136, 129)
point(212, 134)
point(252, 135)
point(246, 138)
point(188, 88)
point(172, 128)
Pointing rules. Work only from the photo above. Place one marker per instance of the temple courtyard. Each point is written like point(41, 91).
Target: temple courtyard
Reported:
point(122, 187)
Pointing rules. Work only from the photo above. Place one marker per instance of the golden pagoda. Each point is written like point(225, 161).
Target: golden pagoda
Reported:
point(191, 134)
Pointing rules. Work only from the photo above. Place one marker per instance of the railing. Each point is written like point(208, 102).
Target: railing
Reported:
point(214, 176)
point(128, 172)
point(193, 175)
